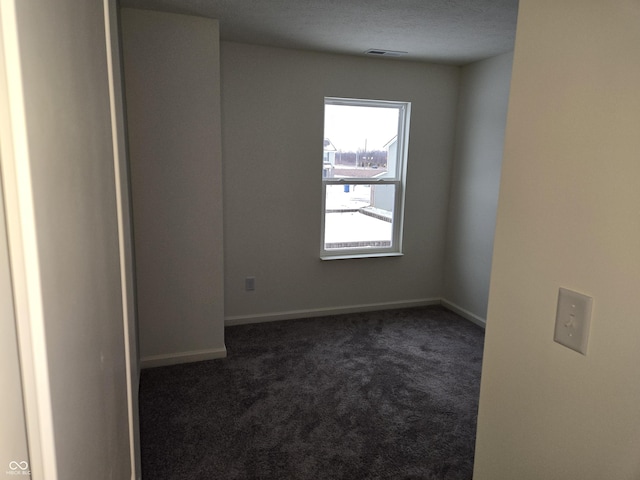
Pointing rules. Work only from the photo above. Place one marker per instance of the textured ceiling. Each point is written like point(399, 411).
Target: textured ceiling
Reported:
point(443, 31)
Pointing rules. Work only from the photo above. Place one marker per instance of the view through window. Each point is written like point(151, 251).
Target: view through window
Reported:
point(363, 169)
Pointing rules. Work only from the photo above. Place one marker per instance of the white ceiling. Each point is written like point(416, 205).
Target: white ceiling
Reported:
point(443, 31)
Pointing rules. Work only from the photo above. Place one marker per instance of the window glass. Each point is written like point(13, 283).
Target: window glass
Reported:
point(363, 176)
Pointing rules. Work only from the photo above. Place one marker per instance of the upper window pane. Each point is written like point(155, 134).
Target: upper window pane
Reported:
point(361, 141)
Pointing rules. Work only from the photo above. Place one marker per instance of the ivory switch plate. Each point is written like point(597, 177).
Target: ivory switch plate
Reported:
point(573, 317)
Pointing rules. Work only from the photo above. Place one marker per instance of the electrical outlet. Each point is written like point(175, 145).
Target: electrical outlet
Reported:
point(250, 284)
point(573, 317)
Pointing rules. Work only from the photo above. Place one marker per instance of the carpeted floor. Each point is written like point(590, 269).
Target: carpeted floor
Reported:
point(380, 395)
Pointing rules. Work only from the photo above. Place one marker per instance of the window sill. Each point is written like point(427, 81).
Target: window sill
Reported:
point(360, 255)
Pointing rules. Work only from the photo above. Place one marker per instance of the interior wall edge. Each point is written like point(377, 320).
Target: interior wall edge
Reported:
point(182, 357)
point(466, 314)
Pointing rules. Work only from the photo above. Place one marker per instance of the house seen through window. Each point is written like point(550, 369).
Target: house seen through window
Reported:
point(363, 175)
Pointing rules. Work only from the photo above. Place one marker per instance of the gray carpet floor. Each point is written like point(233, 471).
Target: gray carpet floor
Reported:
point(380, 395)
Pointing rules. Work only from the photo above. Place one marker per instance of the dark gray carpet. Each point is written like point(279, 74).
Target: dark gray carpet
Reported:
point(381, 395)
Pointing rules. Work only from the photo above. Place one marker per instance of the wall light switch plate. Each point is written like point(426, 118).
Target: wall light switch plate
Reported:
point(573, 317)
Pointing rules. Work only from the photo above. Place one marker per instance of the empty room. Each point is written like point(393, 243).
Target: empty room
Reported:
point(302, 235)
point(303, 239)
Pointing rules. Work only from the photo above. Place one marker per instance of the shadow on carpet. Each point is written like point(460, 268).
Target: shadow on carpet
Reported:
point(379, 395)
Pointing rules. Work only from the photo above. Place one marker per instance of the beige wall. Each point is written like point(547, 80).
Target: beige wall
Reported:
point(171, 69)
point(567, 216)
point(475, 180)
point(272, 106)
point(59, 189)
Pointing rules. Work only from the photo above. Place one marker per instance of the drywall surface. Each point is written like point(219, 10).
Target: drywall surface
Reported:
point(272, 108)
point(482, 116)
point(567, 216)
point(13, 435)
point(125, 227)
point(171, 69)
point(62, 225)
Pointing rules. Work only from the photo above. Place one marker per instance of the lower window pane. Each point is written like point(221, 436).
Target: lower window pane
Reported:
point(358, 216)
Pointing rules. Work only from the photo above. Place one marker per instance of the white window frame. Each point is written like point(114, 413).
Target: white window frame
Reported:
point(398, 180)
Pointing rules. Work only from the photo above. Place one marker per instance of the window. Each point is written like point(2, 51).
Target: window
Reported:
point(363, 175)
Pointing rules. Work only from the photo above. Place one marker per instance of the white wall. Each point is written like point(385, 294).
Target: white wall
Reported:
point(482, 116)
point(171, 69)
point(273, 106)
point(567, 216)
point(125, 231)
point(13, 434)
point(60, 196)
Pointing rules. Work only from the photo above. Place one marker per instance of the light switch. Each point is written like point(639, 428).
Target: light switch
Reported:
point(572, 320)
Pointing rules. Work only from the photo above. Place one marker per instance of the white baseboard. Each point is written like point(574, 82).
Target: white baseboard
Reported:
point(323, 312)
point(481, 322)
point(210, 354)
point(182, 357)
